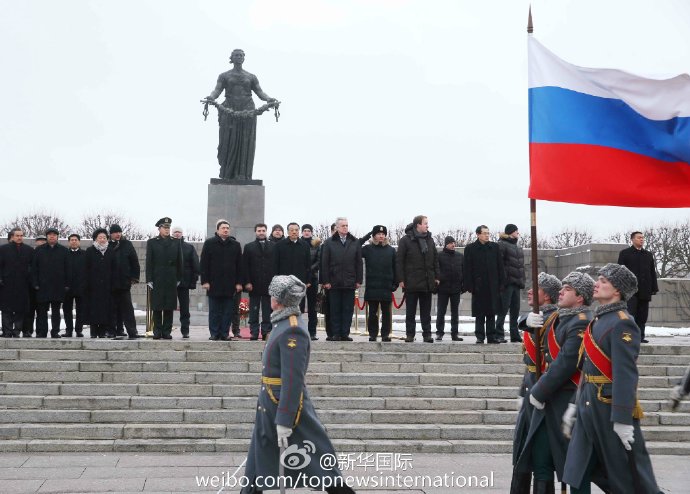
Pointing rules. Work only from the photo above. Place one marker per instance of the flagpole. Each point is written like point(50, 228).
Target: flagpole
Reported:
point(535, 259)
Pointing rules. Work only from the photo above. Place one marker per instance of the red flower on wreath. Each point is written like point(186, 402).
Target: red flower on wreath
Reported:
point(244, 308)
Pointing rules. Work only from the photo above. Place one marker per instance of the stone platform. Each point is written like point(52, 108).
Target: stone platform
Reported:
point(78, 395)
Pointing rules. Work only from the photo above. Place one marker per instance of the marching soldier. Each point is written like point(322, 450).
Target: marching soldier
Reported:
point(607, 432)
point(285, 414)
point(163, 274)
point(533, 327)
point(546, 446)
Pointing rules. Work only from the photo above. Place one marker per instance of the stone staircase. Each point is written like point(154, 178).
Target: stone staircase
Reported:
point(74, 395)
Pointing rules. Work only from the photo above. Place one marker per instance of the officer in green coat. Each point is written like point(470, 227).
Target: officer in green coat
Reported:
point(285, 415)
point(163, 274)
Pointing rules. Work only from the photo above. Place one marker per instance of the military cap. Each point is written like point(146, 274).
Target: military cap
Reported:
point(551, 285)
point(52, 230)
point(41, 237)
point(164, 222)
point(621, 278)
point(115, 228)
point(379, 229)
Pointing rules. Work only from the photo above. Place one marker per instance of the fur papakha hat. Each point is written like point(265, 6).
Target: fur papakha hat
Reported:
point(621, 278)
point(582, 283)
point(287, 290)
point(551, 285)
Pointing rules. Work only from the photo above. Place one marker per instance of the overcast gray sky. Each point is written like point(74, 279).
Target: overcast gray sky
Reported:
point(391, 108)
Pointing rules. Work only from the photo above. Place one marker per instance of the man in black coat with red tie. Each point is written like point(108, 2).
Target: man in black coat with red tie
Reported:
point(642, 264)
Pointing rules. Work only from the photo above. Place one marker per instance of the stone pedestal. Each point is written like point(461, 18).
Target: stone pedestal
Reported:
point(241, 202)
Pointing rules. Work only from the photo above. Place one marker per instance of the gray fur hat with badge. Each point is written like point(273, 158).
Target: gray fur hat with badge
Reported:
point(621, 278)
point(551, 286)
point(287, 290)
point(582, 283)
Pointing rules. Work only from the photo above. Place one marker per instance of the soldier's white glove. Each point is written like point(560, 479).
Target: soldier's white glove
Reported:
point(536, 403)
point(569, 420)
point(283, 434)
point(150, 285)
point(518, 403)
point(535, 320)
point(625, 432)
point(676, 396)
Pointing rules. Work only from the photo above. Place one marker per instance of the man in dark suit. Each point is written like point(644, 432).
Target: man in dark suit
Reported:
point(641, 262)
point(75, 296)
point(190, 275)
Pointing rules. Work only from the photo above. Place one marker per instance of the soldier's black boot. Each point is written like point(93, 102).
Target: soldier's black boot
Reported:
point(520, 483)
point(543, 487)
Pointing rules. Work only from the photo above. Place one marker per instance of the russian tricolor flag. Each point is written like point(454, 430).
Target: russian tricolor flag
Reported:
point(606, 137)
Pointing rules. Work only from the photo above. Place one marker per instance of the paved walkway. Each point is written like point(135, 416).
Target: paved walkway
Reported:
point(172, 473)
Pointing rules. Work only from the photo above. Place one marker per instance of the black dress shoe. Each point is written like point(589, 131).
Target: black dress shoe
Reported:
point(136, 337)
point(213, 338)
point(409, 339)
point(456, 338)
point(501, 340)
point(346, 338)
point(314, 338)
point(56, 335)
point(66, 335)
point(156, 337)
point(493, 342)
point(253, 338)
point(479, 342)
point(428, 339)
point(644, 340)
point(516, 340)
point(185, 336)
point(167, 337)
point(372, 339)
point(439, 337)
point(80, 335)
point(329, 338)
point(385, 339)
point(335, 338)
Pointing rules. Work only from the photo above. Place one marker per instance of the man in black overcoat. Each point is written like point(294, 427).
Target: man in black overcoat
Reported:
point(642, 264)
point(483, 277)
point(15, 284)
point(127, 271)
point(190, 275)
point(50, 275)
point(257, 272)
point(74, 298)
point(163, 274)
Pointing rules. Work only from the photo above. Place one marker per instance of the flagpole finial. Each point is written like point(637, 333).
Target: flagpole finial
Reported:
point(530, 28)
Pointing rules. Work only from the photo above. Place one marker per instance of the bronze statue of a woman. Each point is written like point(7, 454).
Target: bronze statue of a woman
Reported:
point(237, 119)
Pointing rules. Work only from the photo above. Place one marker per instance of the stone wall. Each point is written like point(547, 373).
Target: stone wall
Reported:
point(671, 307)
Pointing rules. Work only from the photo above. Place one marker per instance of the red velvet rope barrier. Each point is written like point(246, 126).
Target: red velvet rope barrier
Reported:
point(361, 307)
point(395, 303)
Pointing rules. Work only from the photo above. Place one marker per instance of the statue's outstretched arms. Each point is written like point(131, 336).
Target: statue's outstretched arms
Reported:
point(260, 92)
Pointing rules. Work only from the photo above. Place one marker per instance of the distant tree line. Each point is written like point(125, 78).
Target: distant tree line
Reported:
point(36, 223)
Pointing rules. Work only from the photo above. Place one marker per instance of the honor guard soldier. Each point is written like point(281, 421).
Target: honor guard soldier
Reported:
point(533, 327)
point(285, 414)
point(607, 434)
point(546, 446)
point(163, 274)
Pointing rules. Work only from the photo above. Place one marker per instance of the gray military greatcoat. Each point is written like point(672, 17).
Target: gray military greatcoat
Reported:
point(600, 405)
point(555, 388)
point(529, 379)
point(283, 400)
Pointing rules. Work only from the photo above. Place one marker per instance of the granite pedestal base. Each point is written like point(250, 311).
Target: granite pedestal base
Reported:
point(241, 202)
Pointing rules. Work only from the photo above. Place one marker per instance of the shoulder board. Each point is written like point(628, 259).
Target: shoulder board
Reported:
point(293, 321)
point(582, 316)
point(622, 315)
